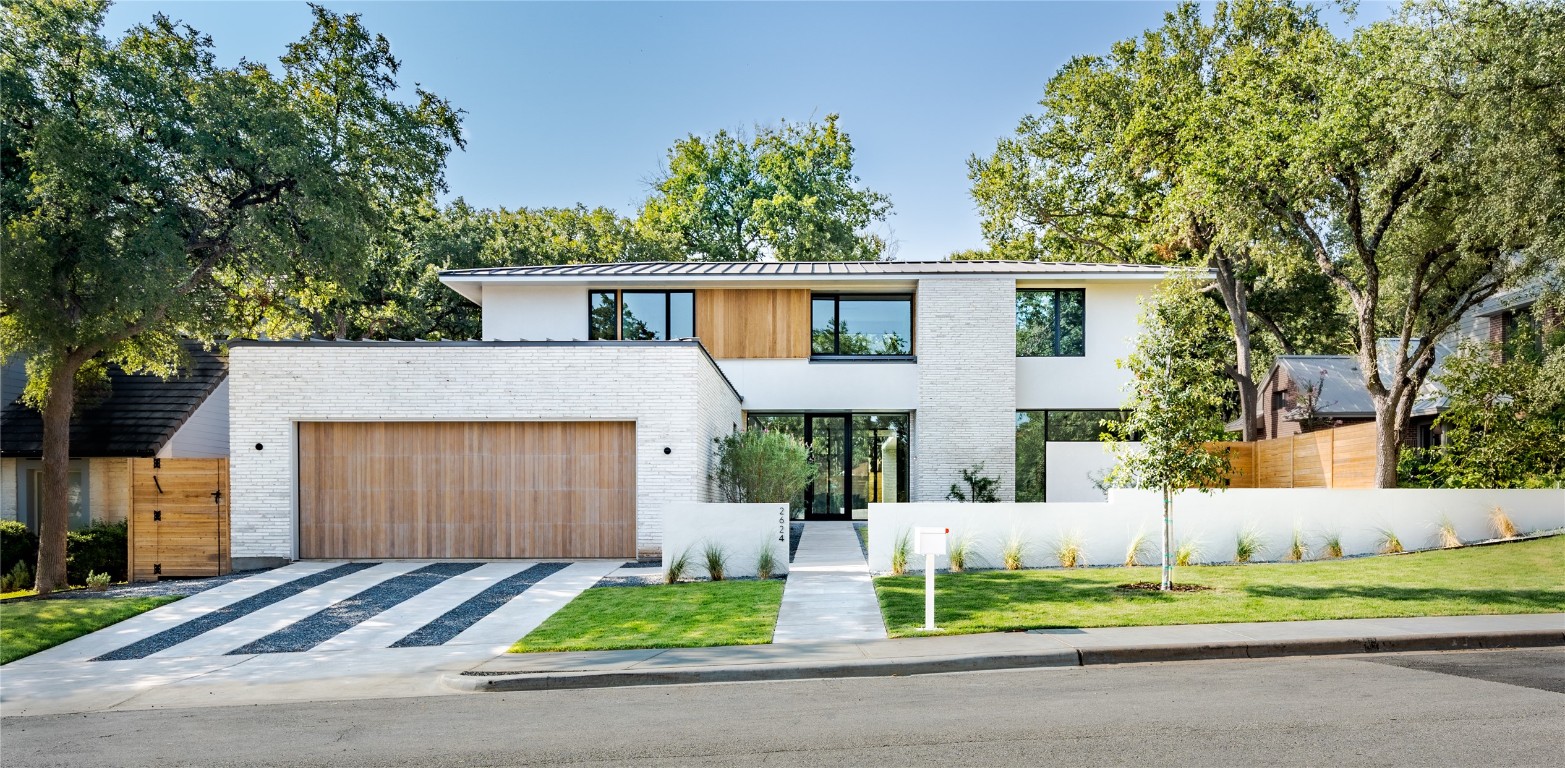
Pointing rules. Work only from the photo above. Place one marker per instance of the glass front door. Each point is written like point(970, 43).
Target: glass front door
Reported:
point(860, 459)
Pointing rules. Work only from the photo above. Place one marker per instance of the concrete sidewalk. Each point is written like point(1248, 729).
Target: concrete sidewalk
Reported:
point(1009, 650)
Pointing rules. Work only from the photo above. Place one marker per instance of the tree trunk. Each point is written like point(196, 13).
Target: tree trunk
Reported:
point(1236, 301)
point(1389, 427)
point(54, 519)
point(1168, 539)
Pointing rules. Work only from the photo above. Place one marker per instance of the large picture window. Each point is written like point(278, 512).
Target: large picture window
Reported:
point(861, 326)
point(640, 315)
point(1051, 322)
point(1036, 429)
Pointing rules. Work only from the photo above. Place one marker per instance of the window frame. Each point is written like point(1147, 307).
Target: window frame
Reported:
point(836, 298)
point(1055, 315)
point(619, 312)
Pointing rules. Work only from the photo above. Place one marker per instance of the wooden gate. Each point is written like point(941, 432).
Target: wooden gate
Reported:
point(1343, 457)
point(178, 518)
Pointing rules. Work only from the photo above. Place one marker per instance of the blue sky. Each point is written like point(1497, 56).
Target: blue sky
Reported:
point(578, 102)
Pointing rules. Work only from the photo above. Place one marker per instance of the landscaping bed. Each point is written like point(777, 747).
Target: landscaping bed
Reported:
point(1522, 577)
point(685, 615)
point(27, 627)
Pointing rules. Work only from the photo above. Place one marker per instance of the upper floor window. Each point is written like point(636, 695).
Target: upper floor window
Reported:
point(1051, 322)
point(865, 325)
point(641, 315)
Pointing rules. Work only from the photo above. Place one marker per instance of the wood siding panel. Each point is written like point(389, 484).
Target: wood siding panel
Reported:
point(467, 489)
point(178, 518)
point(754, 323)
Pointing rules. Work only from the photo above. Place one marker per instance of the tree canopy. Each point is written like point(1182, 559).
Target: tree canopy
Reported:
point(150, 194)
point(787, 193)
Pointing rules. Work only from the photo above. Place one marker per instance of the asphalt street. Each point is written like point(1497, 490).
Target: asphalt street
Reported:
point(1501, 708)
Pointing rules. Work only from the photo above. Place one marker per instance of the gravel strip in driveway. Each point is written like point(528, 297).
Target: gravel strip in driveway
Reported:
point(456, 621)
point(333, 620)
point(173, 636)
point(178, 587)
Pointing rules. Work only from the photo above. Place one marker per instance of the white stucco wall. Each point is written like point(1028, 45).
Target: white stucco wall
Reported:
point(798, 385)
point(534, 312)
point(966, 338)
point(740, 530)
point(1092, 381)
point(205, 434)
point(670, 389)
point(1214, 520)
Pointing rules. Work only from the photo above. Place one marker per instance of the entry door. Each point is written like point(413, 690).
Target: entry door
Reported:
point(827, 496)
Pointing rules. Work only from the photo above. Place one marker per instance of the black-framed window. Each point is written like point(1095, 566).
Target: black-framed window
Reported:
point(1036, 429)
point(861, 325)
point(640, 315)
point(1051, 322)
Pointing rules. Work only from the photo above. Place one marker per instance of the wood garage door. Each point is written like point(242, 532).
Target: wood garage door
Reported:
point(467, 489)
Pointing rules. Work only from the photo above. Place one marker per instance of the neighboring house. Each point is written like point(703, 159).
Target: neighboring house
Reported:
point(137, 415)
point(1305, 393)
point(596, 393)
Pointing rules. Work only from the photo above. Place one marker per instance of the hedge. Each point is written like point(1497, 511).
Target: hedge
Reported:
point(100, 548)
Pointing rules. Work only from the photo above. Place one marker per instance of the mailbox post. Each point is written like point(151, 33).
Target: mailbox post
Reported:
point(929, 542)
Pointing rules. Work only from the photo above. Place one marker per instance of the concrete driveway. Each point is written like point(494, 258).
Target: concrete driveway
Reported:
point(308, 631)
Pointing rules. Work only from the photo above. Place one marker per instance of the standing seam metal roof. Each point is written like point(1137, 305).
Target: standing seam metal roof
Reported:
point(806, 268)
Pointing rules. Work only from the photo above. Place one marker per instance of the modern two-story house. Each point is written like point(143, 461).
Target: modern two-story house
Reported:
point(593, 399)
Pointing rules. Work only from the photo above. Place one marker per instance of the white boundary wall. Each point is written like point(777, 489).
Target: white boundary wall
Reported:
point(1214, 521)
point(742, 530)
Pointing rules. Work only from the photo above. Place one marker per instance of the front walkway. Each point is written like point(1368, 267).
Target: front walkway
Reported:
point(829, 595)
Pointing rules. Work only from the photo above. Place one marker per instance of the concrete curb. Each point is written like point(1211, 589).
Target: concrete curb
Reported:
point(1065, 657)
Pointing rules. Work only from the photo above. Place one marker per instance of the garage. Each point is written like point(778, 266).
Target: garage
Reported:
point(487, 490)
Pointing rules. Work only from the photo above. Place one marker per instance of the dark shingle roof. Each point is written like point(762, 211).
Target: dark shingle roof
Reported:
point(138, 416)
point(807, 268)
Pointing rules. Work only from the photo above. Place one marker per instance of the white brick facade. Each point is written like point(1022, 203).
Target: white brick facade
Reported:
point(671, 390)
point(966, 350)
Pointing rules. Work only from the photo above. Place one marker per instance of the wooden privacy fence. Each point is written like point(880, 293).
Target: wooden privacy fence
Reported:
point(1333, 458)
point(178, 518)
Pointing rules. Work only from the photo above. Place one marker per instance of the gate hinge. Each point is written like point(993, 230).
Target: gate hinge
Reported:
point(157, 569)
point(157, 515)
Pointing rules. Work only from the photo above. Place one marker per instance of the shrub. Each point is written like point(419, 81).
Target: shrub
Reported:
point(677, 567)
point(17, 545)
point(1014, 552)
point(1248, 545)
point(1140, 547)
point(1503, 527)
point(1331, 545)
point(901, 551)
point(761, 466)
point(960, 552)
point(1387, 542)
point(17, 579)
point(1447, 534)
point(980, 487)
point(97, 582)
point(1297, 548)
point(715, 559)
point(100, 547)
point(766, 562)
point(1068, 550)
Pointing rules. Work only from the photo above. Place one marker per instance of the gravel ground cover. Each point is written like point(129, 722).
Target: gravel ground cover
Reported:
point(167, 587)
point(458, 619)
point(173, 636)
point(795, 532)
point(333, 620)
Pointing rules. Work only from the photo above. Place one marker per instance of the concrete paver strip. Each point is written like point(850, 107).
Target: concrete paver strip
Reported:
point(221, 640)
point(383, 629)
point(829, 595)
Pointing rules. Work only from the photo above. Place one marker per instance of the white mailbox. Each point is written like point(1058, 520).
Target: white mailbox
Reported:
point(930, 541)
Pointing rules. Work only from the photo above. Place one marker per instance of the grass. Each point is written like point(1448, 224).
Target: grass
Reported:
point(1523, 577)
point(661, 616)
point(29, 627)
point(17, 593)
point(863, 532)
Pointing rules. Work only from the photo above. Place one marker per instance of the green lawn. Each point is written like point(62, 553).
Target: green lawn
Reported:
point(1524, 577)
point(661, 616)
point(29, 627)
